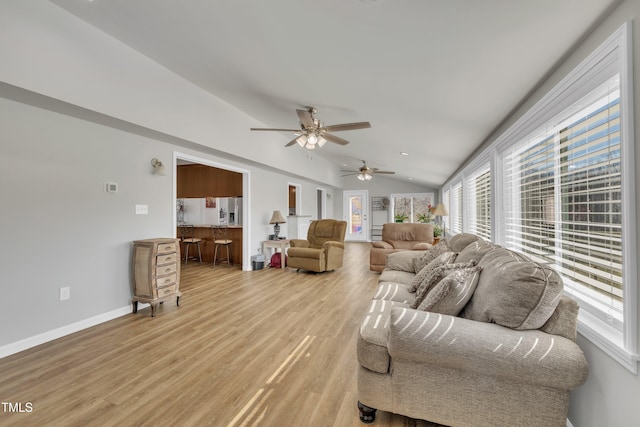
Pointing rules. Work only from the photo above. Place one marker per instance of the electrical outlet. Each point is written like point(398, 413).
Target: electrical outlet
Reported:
point(65, 293)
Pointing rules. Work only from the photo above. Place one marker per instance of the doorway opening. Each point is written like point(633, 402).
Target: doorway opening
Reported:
point(222, 201)
point(321, 203)
point(295, 199)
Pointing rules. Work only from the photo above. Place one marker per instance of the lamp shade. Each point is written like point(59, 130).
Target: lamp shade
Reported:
point(441, 210)
point(277, 218)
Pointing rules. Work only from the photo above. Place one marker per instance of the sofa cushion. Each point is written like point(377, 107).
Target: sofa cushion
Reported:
point(374, 335)
point(430, 255)
point(403, 261)
point(514, 291)
point(453, 292)
point(460, 241)
point(397, 292)
point(564, 320)
point(396, 276)
point(404, 236)
point(442, 259)
point(434, 277)
point(474, 251)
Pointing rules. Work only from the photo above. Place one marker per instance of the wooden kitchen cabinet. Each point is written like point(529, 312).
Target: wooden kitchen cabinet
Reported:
point(156, 272)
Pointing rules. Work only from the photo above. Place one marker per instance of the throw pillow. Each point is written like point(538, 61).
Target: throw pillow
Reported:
point(453, 292)
point(430, 255)
point(434, 277)
point(460, 241)
point(514, 291)
point(402, 261)
point(474, 251)
point(442, 259)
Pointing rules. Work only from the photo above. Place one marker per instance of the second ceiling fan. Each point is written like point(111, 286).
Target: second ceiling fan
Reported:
point(314, 133)
point(365, 173)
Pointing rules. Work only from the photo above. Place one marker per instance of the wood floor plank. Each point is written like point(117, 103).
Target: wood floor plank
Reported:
point(267, 348)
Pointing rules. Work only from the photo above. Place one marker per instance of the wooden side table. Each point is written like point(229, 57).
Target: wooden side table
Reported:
point(275, 245)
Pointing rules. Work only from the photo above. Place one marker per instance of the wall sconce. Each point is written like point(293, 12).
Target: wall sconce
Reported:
point(158, 167)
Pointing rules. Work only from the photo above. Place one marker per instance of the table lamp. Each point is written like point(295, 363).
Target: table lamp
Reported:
point(441, 210)
point(276, 219)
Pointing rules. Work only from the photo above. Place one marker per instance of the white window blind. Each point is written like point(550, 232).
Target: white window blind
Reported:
point(446, 200)
point(456, 208)
point(478, 203)
point(563, 198)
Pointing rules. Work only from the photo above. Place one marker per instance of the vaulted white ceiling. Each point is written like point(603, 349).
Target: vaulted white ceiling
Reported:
point(433, 77)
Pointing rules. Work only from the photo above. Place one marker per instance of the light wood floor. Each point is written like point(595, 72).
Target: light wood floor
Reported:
point(263, 348)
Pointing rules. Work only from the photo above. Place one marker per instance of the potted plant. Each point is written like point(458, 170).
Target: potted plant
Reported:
point(437, 230)
point(424, 218)
point(427, 217)
point(401, 217)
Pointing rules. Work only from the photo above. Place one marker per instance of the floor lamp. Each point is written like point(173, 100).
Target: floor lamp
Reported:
point(441, 210)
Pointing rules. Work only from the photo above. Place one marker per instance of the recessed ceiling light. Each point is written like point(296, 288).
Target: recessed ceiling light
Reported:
point(410, 179)
point(403, 153)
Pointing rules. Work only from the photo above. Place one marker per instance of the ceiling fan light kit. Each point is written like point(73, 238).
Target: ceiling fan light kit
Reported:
point(313, 133)
point(310, 141)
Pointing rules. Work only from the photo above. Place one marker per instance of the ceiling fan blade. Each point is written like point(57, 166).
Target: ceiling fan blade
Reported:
point(350, 171)
point(293, 141)
point(278, 130)
point(385, 172)
point(347, 126)
point(305, 118)
point(349, 174)
point(335, 139)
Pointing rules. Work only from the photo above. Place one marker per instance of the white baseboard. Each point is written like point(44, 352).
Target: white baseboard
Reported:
point(44, 337)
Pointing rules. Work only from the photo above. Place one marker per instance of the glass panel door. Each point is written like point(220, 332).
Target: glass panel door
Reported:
point(356, 210)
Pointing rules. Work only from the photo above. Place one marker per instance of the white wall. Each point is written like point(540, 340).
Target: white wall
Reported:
point(611, 394)
point(60, 227)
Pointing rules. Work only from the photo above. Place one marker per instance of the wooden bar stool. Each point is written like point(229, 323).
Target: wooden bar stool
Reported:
point(186, 236)
point(221, 238)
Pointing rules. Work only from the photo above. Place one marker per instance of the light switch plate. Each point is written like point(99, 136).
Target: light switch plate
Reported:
point(142, 209)
point(65, 293)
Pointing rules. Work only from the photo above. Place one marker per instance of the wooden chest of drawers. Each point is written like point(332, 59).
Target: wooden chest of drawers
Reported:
point(156, 272)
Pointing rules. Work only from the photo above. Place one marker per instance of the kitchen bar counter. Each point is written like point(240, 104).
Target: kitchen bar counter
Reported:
point(204, 232)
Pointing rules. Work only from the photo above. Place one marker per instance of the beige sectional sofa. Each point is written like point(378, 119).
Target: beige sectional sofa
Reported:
point(492, 342)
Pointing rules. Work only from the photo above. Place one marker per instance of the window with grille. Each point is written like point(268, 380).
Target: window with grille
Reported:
point(413, 207)
point(478, 204)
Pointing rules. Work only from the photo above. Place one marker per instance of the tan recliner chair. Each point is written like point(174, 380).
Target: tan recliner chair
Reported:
point(324, 248)
point(400, 237)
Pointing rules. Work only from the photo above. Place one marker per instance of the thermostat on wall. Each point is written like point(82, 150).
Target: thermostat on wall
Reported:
point(111, 187)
